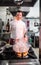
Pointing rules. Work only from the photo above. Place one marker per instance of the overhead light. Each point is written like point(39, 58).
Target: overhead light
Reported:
point(18, 2)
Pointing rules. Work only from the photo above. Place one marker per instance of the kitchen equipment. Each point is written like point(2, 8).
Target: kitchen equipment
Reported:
point(18, 2)
point(20, 62)
point(2, 46)
point(24, 62)
point(5, 36)
point(8, 46)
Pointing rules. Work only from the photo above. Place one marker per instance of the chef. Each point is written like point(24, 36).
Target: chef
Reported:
point(18, 35)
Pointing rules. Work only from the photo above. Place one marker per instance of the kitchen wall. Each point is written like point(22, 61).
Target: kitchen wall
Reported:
point(32, 13)
point(31, 25)
point(3, 14)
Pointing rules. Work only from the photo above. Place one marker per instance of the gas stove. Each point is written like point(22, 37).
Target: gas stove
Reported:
point(10, 54)
point(8, 58)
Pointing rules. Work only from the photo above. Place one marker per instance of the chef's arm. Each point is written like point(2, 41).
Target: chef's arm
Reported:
point(25, 37)
point(25, 31)
point(10, 28)
point(25, 34)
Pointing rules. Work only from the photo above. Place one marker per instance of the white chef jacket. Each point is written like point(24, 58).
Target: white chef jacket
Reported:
point(18, 28)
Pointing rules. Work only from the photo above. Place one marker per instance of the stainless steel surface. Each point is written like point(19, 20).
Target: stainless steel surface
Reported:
point(26, 62)
point(4, 62)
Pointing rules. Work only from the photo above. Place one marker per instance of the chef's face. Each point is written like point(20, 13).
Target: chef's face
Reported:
point(19, 15)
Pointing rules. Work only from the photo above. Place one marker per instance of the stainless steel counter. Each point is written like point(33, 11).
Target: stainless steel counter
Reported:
point(21, 62)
